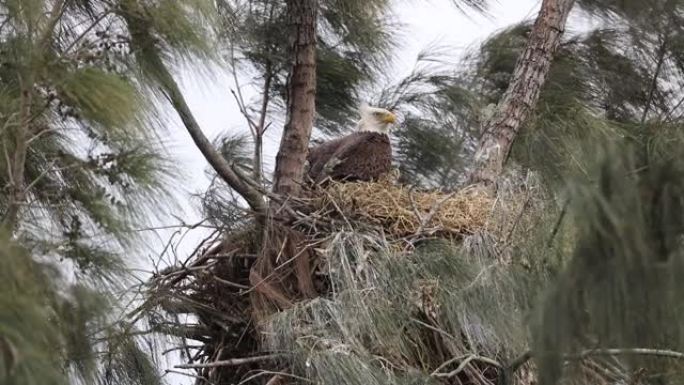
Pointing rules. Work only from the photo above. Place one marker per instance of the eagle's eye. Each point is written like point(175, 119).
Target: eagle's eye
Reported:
point(377, 113)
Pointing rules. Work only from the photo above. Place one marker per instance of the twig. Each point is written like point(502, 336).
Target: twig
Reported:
point(462, 365)
point(519, 361)
point(518, 218)
point(189, 375)
point(176, 348)
point(558, 224)
point(267, 372)
point(433, 211)
point(87, 30)
point(276, 380)
point(339, 210)
point(654, 82)
point(231, 284)
point(231, 362)
point(664, 353)
point(435, 329)
point(448, 362)
point(523, 358)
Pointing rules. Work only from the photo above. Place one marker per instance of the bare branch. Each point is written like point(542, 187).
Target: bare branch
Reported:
point(662, 353)
point(465, 361)
point(654, 81)
point(231, 362)
point(221, 166)
point(17, 165)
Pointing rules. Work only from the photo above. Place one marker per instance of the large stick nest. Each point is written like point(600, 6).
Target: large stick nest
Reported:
point(226, 286)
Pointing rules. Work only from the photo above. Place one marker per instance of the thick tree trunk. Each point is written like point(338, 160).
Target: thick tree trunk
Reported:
point(522, 94)
point(294, 145)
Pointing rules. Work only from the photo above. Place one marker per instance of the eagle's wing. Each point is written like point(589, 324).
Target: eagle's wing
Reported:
point(364, 156)
point(319, 156)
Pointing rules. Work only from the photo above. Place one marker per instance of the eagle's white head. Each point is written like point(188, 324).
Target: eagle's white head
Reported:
point(374, 119)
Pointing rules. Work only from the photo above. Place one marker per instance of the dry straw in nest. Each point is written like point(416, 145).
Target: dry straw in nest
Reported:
point(403, 211)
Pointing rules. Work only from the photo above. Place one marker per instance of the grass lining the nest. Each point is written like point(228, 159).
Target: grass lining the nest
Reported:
point(403, 211)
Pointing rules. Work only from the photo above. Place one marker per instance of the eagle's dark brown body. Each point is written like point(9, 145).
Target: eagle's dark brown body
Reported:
point(360, 156)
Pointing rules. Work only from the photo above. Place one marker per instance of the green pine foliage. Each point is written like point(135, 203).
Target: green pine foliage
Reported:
point(82, 167)
point(592, 262)
point(355, 41)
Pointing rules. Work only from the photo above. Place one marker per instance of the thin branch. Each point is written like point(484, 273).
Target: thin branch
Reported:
point(55, 14)
point(231, 284)
point(654, 82)
point(221, 166)
point(87, 30)
point(261, 127)
point(662, 353)
point(231, 362)
point(268, 372)
point(559, 222)
point(466, 360)
point(518, 217)
point(17, 166)
point(200, 378)
point(433, 211)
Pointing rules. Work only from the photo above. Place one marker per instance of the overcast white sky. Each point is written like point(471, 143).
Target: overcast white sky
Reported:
point(426, 22)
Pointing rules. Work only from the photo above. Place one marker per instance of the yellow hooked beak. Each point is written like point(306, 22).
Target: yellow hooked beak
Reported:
point(389, 118)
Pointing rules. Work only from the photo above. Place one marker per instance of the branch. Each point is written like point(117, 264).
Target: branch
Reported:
point(216, 160)
point(261, 126)
point(466, 360)
point(663, 353)
point(654, 82)
point(231, 362)
point(523, 358)
point(55, 14)
point(17, 165)
point(424, 221)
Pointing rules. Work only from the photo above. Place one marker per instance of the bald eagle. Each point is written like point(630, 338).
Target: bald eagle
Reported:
point(363, 155)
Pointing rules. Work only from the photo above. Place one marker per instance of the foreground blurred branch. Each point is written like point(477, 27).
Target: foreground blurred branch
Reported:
point(523, 358)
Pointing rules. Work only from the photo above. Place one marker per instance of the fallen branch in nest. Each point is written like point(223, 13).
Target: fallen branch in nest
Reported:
point(231, 362)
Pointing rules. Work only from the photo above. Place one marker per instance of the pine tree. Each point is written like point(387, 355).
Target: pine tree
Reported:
point(82, 169)
point(584, 282)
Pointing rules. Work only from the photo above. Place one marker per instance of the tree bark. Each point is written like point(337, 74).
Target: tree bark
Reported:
point(301, 106)
point(523, 92)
